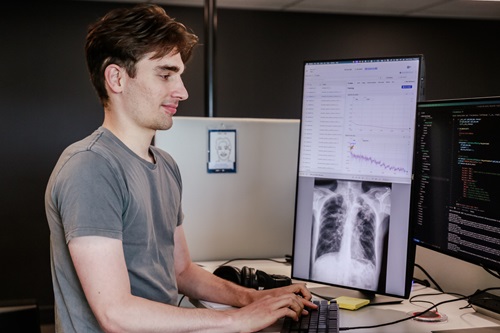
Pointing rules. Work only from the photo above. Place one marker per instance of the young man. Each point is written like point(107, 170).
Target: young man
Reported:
point(113, 202)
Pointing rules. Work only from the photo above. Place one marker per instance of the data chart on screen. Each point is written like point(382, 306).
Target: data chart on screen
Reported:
point(358, 119)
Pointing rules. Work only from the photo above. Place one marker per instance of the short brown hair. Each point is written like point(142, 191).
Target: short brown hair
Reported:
point(125, 35)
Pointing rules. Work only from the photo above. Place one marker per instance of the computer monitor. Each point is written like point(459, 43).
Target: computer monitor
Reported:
point(457, 179)
point(352, 214)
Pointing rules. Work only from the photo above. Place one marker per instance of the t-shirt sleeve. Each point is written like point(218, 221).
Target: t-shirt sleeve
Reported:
point(89, 197)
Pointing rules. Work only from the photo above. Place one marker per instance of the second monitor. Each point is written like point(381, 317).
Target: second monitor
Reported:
point(457, 178)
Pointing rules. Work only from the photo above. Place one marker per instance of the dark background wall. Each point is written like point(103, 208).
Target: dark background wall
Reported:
point(47, 102)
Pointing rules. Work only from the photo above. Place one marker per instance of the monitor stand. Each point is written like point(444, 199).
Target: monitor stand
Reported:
point(329, 292)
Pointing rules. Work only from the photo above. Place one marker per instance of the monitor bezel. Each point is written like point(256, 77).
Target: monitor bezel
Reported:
point(411, 248)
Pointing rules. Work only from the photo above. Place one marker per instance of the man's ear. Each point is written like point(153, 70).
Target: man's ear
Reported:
point(114, 76)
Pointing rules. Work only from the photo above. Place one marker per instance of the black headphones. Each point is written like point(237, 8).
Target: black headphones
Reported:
point(251, 278)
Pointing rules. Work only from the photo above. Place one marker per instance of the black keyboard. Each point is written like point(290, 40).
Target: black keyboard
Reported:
point(325, 319)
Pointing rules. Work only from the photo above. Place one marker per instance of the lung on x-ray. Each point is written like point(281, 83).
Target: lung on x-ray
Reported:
point(350, 232)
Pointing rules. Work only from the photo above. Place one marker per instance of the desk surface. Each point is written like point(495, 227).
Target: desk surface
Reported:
point(458, 317)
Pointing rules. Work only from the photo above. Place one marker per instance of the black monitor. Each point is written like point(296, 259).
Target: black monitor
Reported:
point(457, 179)
point(352, 217)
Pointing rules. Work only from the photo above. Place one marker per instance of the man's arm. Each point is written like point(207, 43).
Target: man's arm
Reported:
point(100, 265)
point(101, 268)
point(198, 283)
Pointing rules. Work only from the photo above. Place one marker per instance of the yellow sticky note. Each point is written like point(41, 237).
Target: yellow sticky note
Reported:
point(351, 303)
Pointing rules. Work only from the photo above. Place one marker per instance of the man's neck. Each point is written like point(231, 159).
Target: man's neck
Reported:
point(135, 138)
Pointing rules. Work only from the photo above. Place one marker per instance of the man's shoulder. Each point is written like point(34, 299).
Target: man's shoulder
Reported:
point(83, 144)
point(99, 143)
point(89, 153)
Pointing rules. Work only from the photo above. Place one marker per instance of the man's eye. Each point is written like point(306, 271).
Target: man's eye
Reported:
point(165, 77)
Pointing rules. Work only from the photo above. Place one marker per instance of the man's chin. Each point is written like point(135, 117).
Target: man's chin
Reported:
point(165, 126)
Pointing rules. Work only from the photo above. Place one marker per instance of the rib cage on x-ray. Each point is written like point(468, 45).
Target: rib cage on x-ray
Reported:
point(350, 227)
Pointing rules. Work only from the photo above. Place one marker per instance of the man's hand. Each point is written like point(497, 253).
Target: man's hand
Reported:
point(268, 309)
point(296, 288)
point(272, 304)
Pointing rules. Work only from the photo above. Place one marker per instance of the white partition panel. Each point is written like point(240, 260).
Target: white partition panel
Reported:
point(248, 213)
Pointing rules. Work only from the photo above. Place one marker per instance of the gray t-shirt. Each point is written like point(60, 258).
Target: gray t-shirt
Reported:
point(100, 187)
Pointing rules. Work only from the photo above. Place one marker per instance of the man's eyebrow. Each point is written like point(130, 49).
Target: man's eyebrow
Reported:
point(168, 68)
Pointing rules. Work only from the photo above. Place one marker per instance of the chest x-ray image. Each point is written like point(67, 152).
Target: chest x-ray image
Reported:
point(350, 232)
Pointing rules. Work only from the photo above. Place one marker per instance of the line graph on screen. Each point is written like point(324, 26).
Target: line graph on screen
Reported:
point(382, 156)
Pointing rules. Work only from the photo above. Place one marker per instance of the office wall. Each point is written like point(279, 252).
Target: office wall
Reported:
point(47, 102)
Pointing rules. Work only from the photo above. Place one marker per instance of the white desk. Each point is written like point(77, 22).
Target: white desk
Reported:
point(372, 315)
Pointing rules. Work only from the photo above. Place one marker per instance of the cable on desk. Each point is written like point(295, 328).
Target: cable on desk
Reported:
point(492, 272)
point(413, 301)
point(437, 294)
point(430, 277)
point(424, 283)
point(422, 301)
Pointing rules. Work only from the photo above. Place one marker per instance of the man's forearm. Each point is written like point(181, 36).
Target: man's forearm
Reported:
point(198, 283)
point(141, 315)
